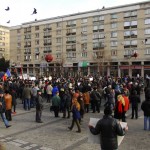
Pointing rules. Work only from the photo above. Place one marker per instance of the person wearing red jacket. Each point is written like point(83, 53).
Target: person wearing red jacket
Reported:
point(126, 106)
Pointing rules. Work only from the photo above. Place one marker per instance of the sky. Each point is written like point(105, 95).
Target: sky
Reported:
point(21, 10)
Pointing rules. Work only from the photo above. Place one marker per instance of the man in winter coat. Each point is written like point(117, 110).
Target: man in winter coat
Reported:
point(3, 109)
point(8, 102)
point(39, 107)
point(56, 104)
point(108, 128)
point(146, 109)
point(134, 100)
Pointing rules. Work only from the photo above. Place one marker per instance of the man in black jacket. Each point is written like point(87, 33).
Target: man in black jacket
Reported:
point(109, 129)
point(39, 107)
point(134, 99)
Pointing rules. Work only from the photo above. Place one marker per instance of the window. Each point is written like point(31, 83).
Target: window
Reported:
point(71, 55)
point(36, 35)
point(83, 37)
point(58, 55)
point(84, 29)
point(58, 32)
point(113, 34)
point(36, 28)
point(84, 54)
point(128, 24)
point(101, 18)
point(114, 25)
point(98, 45)
point(58, 24)
point(98, 36)
point(113, 52)
point(147, 51)
point(27, 36)
point(18, 37)
point(47, 50)
point(113, 16)
point(58, 48)
point(71, 39)
point(147, 21)
point(36, 42)
point(147, 31)
point(130, 14)
point(98, 27)
point(147, 11)
point(98, 18)
point(84, 20)
point(37, 50)
point(114, 43)
point(36, 56)
point(147, 41)
point(71, 22)
point(58, 40)
point(129, 34)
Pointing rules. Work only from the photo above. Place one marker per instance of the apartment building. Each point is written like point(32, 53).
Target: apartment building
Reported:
point(101, 41)
point(4, 42)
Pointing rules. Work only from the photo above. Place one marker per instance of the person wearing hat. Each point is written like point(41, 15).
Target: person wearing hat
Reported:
point(39, 107)
point(108, 128)
point(3, 109)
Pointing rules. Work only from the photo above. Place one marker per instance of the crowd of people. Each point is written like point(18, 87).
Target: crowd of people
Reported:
point(74, 95)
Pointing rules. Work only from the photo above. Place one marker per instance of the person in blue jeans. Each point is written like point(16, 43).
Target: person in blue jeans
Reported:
point(26, 95)
point(146, 109)
point(3, 109)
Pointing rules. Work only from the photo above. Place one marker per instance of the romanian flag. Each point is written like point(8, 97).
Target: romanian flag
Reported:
point(8, 74)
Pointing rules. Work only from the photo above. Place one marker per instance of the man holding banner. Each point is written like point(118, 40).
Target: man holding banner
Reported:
point(108, 128)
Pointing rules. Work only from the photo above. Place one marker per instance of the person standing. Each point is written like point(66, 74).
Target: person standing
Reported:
point(75, 108)
point(134, 100)
point(86, 99)
point(14, 100)
point(56, 104)
point(26, 95)
point(108, 128)
point(49, 92)
point(8, 102)
point(39, 107)
point(146, 109)
point(3, 109)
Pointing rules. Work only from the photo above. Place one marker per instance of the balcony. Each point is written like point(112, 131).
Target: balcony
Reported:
point(47, 36)
point(45, 44)
point(27, 46)
point(47, 29)
point(98, 30)
point(70, 33)
point(70, 25)
point(70, 42)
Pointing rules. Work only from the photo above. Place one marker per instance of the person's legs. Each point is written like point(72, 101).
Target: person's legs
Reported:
point(149, 123)
point(72, 124)
point(78, 125)
point(4, 119)
point(132, 113)
point(136, 112)
point(145, 122)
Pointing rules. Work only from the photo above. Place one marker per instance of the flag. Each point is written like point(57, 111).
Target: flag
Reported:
point(8, 74)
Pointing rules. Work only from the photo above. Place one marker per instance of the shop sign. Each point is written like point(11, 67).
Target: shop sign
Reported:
point(124, 67)
point(136, 67)
point(83, 64)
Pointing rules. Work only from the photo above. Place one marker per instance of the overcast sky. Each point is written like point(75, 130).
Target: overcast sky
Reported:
point(21, 10)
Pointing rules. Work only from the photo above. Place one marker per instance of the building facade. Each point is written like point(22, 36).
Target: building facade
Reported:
point(102, 41)
point(4, 42)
